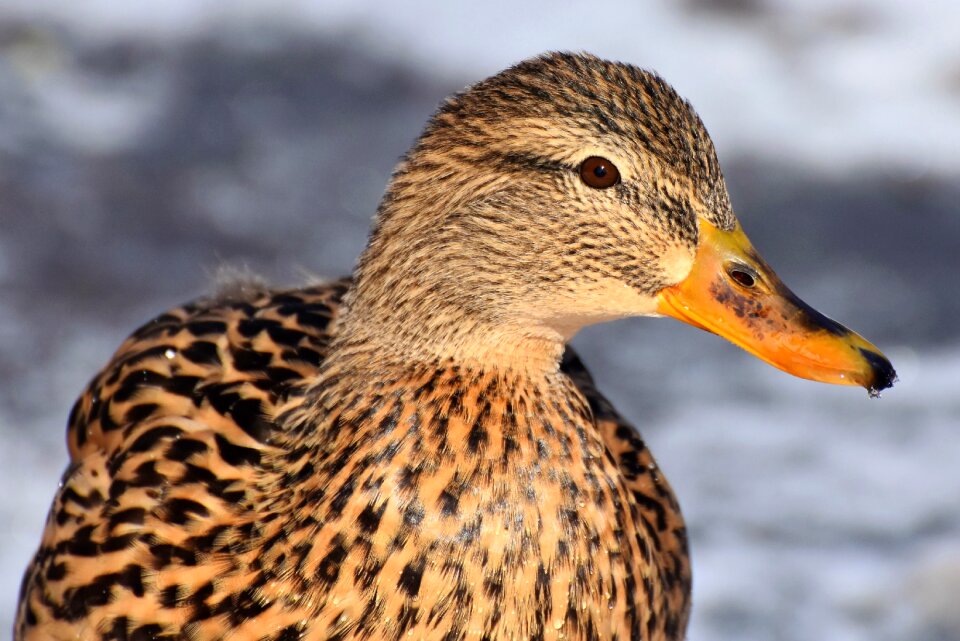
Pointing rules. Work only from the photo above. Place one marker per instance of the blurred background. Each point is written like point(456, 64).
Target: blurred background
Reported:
point(144, 145)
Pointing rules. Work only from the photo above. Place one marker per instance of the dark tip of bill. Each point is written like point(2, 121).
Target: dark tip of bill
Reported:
point(884, 376)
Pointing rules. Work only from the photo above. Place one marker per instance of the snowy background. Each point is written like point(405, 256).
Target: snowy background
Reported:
point(142, 145)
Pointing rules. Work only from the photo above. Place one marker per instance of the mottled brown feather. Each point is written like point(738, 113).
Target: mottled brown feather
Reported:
point(125, 551)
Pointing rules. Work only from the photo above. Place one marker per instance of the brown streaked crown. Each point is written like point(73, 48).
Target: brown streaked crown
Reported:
point(630, 108)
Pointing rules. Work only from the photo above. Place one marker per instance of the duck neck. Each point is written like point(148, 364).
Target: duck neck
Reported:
point(415, 308)
point(361, 398)
point(442, 280)
point(372, 336)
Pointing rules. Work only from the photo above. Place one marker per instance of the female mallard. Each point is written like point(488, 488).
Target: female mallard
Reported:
point(412, 454)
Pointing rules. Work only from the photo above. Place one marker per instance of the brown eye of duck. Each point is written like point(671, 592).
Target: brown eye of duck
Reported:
point(599, 173)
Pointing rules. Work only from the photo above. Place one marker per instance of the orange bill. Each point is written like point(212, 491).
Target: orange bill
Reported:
point(733, 293)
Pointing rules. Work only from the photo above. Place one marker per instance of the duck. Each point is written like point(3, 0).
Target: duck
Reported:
point(414, 452)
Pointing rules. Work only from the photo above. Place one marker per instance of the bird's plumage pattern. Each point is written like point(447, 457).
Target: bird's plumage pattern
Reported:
point(190, 512)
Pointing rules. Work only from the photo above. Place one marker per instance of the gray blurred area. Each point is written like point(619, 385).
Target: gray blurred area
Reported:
point(131, 172)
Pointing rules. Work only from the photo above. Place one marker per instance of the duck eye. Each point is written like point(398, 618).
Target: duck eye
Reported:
point(742, 276)
point(599, 173)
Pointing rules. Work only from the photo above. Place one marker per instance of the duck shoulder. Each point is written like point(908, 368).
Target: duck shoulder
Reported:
point(166, 446)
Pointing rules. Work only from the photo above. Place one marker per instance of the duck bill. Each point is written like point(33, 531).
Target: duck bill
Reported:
point(733, 293)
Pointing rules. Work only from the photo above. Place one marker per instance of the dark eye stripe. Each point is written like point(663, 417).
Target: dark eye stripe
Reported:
point(599, 173)
point(527, 161)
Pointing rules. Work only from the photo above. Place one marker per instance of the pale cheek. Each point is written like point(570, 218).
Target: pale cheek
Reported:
point(602, 301)
point(676, 261)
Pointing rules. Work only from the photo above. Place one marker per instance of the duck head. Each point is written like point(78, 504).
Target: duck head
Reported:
point(566, 191)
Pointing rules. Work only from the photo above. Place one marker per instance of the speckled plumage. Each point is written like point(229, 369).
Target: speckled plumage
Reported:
point(413, 453)
point(188, 514)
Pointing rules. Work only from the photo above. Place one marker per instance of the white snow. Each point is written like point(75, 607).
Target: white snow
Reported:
point(832, 84)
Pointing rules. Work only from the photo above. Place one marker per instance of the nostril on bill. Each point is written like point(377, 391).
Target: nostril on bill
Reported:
point(742, 275)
